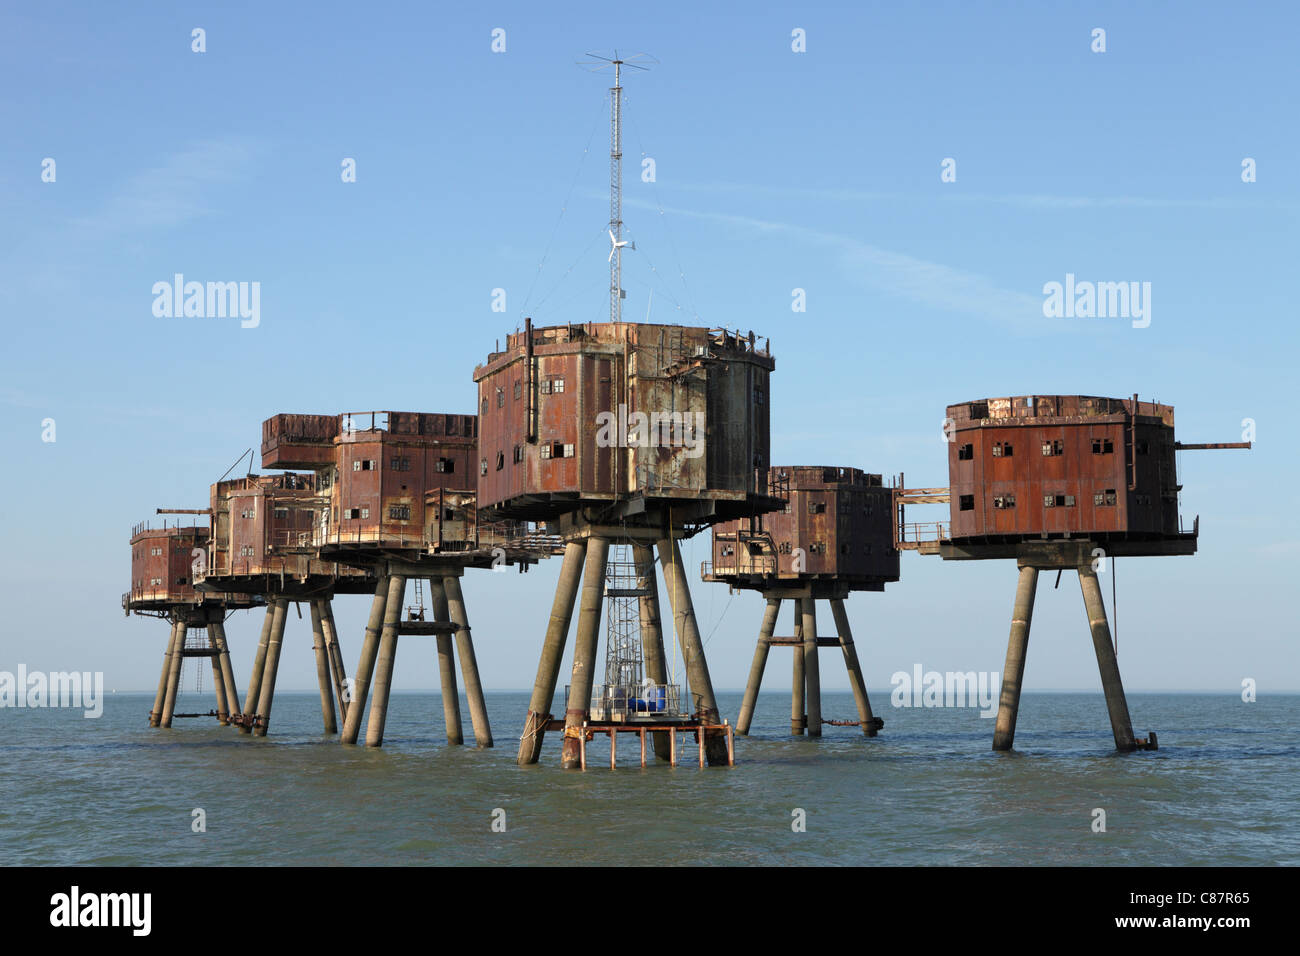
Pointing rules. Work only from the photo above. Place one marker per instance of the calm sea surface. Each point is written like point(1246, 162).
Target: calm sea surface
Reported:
point(1223, 789)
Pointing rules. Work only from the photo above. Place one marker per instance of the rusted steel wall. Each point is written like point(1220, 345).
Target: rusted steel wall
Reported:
point(837, 525)
point(264, 524)
point(161, 563)
point(604, 411)
point(299, 441)
point(1061, 465)
point(381, 476)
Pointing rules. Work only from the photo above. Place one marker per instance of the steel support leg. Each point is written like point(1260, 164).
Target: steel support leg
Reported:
point(1013, 671)
point(578, 707)
point(366, 665)
point(478, 715)
point(548, 668)
point(756, 668)
point(385, 661)
point(688, 632)
point(869, 722)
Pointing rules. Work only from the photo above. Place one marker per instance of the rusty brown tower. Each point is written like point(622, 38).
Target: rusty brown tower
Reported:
point(163, 565)
point(623, 433)
point(835, 535)
point(1062, 482)
point(262, 543)
point(400, 503)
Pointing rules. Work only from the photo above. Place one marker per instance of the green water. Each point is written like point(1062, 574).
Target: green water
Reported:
point(1221, 790)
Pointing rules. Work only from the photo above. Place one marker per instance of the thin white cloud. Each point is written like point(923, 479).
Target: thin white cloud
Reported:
point(918, 280)
point(176, 191)
point(947, 194)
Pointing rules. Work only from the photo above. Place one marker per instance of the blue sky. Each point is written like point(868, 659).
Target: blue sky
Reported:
point(775, 170)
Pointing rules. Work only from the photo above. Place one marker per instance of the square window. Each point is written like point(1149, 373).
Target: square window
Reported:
point(557, 385)
point(546, 450)
point(399, 512)
point(365, 512)
point(1069, 501)
point(1002, 449)
point(501, 460)
point(1103, 446)
point(965, 452)
point(568, 451)
point(966, 503)
point(1049, 501)
point(519, 454)
point(1143, 447)
point(546, 386)
point(482, 466)
point(1053, 448)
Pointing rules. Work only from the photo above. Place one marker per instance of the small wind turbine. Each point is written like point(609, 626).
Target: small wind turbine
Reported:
point(616, 244)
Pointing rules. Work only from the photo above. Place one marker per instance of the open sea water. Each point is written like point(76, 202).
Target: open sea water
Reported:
point(1222, 789)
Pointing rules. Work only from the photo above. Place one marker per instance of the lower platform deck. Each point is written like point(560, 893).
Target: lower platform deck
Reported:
point(697, 728)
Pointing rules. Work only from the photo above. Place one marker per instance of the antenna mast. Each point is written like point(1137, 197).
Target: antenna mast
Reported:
point(616, 195)
point(638, 61)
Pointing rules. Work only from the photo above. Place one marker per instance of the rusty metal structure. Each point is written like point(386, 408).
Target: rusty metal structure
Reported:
point(1059, 482)
point(834, 535)
point(262, 543)
point(397, 501)
point(622, 433)
point(163, 565)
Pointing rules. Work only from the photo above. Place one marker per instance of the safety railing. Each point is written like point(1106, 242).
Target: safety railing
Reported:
point(648, 701)
point(740, 564)
point(918, 532)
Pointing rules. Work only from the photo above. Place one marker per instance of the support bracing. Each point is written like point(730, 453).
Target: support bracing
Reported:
point(805, 691)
